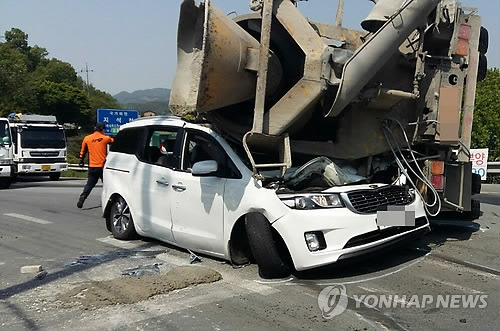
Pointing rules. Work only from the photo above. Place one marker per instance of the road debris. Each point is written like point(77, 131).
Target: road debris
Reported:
point(128, 290)
point(31, 269)
point(143, 270)
point(193, 258)
point(41, 275)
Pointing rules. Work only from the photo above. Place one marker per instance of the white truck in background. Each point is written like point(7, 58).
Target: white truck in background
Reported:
point(6, 155)
point(38, 146)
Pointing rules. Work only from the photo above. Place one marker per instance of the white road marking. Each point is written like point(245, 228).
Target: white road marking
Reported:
point(377, 277)
point(28, 218)
point(450, 264)
point(255, 287)
point(120, 243)
point(457, 286)
point(370, 289)
point(2, 263)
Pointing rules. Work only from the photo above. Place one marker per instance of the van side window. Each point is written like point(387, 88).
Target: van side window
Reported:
point(127, 141)
point(202, 147)
point(160, 147)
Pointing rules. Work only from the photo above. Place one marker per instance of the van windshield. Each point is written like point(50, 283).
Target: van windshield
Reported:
point(42, 138)
point(4, 133)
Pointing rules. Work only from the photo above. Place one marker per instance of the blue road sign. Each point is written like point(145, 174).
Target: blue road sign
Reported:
point(114, 118)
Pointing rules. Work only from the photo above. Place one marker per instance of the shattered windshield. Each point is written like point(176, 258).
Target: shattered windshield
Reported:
point(4, 133)
point(320, 172)
point(42, 138)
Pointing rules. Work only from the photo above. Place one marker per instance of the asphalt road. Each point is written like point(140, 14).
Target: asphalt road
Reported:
point(40, 225)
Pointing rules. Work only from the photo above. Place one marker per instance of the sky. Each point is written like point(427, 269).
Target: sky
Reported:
point(131, 44)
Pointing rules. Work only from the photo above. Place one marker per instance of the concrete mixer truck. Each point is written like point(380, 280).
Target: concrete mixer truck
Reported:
point(393, 100)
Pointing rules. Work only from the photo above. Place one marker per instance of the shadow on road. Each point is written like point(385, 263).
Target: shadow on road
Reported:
point(394, 256)
point(29, 182)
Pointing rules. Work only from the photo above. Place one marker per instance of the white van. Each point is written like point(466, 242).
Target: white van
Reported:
point(183, 184)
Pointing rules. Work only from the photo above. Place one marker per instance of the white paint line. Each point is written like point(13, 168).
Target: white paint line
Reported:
point(2, 263)
point(377, 277)
point(370, 289)
point(28, 218)
point(281, 281)
point(120, 243)
point(456, 286)
point(256, 287)
point(450, 265)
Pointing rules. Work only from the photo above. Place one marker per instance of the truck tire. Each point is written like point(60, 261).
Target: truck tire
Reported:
point(55, 176)
point(482, 69)
point(120, 220)
point(476, 184)
point(475, 209)
point(4, 183)
point(264, 247)
point(483, 41)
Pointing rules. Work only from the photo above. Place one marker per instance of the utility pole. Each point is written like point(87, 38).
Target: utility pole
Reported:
point(340, 13)
point(87, 70)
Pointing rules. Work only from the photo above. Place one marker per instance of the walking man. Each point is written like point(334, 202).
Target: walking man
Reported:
point(96, 145)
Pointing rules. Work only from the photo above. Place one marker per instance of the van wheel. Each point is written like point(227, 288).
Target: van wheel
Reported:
point(55, 176)
point(264, 247)
point(120, 220)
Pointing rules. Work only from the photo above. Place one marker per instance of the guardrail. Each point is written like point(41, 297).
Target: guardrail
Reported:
point(494, 168)
point(76, 167)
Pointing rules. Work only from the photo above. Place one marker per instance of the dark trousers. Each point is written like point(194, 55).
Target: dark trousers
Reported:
point(94, 175)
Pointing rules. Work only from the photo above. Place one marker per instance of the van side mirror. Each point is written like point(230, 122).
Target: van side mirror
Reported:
point(5, 141)
point(205, 168)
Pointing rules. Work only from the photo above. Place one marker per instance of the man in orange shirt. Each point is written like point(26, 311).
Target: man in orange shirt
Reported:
point(96, 144)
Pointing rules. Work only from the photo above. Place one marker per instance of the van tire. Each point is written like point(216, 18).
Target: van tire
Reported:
point(264, 247)
point(120, 220)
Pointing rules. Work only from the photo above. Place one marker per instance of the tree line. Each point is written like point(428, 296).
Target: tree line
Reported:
point(33, 83)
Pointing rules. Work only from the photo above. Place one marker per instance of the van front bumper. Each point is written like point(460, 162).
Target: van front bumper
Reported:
point(346, 234)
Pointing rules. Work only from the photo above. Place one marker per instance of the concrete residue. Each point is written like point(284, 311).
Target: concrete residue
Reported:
point(127, 290)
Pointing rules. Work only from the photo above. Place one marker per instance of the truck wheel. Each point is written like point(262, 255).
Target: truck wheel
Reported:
point(476, 184)
point(55, 176)
point(482, 69)
point(4, 184)
point(475, 209)
point(120, 220)
point(264, 247)
point(483, 41)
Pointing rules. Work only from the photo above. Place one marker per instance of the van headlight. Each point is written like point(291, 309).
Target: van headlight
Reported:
point(314, 201)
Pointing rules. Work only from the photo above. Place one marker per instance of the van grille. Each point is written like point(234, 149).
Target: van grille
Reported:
point(369, 201)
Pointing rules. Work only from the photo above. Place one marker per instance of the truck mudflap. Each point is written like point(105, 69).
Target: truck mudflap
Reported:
point(457, 193)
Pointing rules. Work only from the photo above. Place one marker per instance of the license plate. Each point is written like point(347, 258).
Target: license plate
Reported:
point(46, 167)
